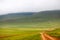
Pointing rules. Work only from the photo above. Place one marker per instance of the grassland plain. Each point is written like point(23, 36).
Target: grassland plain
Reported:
point(54, 23)
point(27, 30)
point(15, 34)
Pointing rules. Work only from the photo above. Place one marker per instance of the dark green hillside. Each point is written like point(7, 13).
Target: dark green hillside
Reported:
point(15, 16)
point(31, 19)
point(49, 14)
point(32, 16)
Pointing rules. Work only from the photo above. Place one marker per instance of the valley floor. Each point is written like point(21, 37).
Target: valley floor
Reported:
point(28, 34)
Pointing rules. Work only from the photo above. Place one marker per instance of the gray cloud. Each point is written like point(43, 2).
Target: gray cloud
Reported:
point(9, 6)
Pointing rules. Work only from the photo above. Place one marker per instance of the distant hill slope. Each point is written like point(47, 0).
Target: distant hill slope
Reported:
point(47, 15)
point(31, 16)
point(15, 16)
point(51, 14)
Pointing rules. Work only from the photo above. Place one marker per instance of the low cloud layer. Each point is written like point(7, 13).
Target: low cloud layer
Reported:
point(10, 6)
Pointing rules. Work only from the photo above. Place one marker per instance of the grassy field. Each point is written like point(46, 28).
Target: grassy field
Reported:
point(28, 30)
point(26, 34)
point(16, 34)
point(55, 33)
point(48, 24)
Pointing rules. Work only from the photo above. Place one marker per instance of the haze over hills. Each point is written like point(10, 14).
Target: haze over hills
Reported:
point(31, 16)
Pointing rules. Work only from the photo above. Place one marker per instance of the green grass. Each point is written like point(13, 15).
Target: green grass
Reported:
point(47, 24)
point(28, 30)
point(19, 34)
point(55, 33)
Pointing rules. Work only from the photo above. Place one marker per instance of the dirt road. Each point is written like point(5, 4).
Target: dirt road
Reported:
point(48, 37)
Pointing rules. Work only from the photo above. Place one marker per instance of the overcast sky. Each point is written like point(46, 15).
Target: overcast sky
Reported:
point(9, 6)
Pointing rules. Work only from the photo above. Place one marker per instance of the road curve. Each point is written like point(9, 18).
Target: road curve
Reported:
point(48, 37)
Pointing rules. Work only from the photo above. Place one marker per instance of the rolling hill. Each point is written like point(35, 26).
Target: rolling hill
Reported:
point(43, 19)
point(31, 16)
